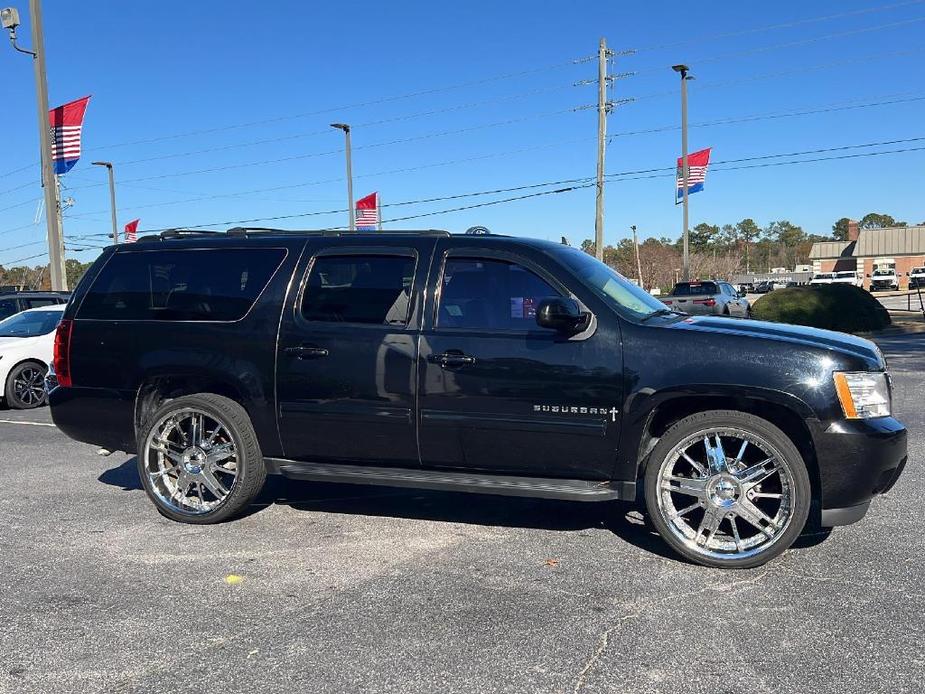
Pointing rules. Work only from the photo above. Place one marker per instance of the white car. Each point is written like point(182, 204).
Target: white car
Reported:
point(27, 342)
point(847, 277)
point(823, 278)
point(917, 277)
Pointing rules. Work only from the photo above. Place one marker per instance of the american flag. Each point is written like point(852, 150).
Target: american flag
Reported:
point(368, 212)
point(66, 123)
point(131, 231)
point(697, 163)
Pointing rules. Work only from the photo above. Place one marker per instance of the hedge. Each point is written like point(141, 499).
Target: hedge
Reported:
point(840, 307)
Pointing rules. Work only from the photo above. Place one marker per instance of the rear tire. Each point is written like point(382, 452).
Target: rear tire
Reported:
point(727, 505)
point(199, 460)
point(25, 386)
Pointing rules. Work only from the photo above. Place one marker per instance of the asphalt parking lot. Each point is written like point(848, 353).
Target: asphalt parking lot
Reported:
point(346, 589)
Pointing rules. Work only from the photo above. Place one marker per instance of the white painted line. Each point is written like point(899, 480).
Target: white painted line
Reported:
point(31, 424)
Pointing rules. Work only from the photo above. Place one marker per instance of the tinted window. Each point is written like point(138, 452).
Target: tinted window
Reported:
point(30, 324)
point(7, 308)
point(491, 295)
point(219, 284)
point(372, 289)
point(692, 288)
point(36, 303)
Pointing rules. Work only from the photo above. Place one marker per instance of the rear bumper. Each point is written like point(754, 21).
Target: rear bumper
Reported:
point(858, 459)
point(102, 417)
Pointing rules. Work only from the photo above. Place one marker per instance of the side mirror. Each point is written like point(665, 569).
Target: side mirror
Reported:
point(560, 314)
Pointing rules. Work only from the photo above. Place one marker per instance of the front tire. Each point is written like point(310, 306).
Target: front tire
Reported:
point(25, 386)
point(199, 459)
point(727, 489)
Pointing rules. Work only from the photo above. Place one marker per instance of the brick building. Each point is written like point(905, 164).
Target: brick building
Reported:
point(900, 248)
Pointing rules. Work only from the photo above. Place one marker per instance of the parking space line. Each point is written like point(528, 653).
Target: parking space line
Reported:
point(31, 424)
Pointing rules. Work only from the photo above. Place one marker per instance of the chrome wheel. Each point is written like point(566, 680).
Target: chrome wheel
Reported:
point(29, 386)
point(726, 493)
point(191, 461)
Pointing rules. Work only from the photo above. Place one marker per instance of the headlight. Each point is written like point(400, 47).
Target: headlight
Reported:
point(863, 394)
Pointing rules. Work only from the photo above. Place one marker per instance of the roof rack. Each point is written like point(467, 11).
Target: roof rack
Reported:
point(253, 232)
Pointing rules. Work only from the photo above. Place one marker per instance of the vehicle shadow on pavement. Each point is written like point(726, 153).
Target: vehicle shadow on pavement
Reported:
point(628, 521)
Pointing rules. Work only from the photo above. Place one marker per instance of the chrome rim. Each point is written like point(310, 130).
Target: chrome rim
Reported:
point(191, 461)
point(726, 493)
point(29, 386)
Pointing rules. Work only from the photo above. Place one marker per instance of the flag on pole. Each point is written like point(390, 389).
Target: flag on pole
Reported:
point(131, 231)
point(368, 212)
point(697, 163)
point(66, 122)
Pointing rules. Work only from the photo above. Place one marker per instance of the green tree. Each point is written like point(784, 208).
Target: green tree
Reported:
point(747, 232)
point(703, 237)
point(74, 270)
point(875, 220)
point(840, 229)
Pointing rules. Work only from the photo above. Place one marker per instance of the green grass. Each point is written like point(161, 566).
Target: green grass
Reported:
point(831, 306)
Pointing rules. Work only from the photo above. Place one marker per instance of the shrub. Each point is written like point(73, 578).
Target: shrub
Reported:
point(831, 306)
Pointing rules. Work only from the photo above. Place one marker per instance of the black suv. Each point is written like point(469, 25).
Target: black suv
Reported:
point(16, 302)
point(476, 363)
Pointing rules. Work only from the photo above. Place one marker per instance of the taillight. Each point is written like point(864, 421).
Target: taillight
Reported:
point(62, 358)
point(668, 302)
point(705, 302)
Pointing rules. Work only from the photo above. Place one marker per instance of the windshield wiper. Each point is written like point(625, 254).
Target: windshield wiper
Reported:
point(661, 312)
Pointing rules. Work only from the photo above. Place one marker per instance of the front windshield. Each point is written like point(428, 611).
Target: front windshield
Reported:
point(846, 274)
point(822, 277)
point(609, 284)
point(882, 273)
point(30, 324)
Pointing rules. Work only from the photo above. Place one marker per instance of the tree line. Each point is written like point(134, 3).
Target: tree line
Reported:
point(723, 250)
point(37, 278)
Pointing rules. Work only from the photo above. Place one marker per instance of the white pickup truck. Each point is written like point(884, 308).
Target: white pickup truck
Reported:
point(917, 277)
point(884, 280)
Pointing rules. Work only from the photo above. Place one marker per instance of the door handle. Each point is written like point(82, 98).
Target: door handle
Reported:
point(304, 352)
point(448, 359)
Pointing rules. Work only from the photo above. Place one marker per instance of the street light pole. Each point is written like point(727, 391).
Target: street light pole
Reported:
point(112, 198)
point(638, 263)
point(685, 169)
point(346, 129)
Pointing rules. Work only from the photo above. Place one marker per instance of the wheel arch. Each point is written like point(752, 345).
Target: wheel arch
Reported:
point(787, 412)
point(16, 365)
point(158, 389)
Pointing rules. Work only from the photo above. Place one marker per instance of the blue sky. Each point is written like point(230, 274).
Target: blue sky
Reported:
point(159, 71)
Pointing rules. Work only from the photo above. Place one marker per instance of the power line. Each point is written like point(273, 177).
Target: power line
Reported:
point(771, 27)
point(298, 157)
point(328, 131)
point(790, 44)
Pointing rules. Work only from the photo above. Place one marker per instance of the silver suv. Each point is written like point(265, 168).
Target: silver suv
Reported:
point(708, 298)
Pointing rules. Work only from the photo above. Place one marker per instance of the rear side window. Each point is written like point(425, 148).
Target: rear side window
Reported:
point(372, 289)
point(484, 294)
point(7, 308)
point(217, 284)
point(694, 288)
point(37, 303)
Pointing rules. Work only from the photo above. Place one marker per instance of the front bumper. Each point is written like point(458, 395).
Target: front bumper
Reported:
point(858, 459)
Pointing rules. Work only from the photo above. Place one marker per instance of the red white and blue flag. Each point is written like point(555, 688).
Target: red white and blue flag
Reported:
point(368, 212)
point(66, 123)
point(697, 163)
point(131, 231)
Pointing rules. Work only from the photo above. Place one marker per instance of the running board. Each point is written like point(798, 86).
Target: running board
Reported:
point(441, 480)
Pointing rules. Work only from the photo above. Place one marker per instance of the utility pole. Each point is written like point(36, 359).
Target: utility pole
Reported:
point(685, 169)
point(638, 264)
point(49, 180)
point(351, 211)
point(112, 198)
point(602, 109)
point(10, 20)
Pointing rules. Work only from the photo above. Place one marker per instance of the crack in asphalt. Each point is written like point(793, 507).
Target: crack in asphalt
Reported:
point(604, 638)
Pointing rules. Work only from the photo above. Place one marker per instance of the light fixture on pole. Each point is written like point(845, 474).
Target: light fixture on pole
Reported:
point(112, 198)
point(346, 129)
point(683, 70)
